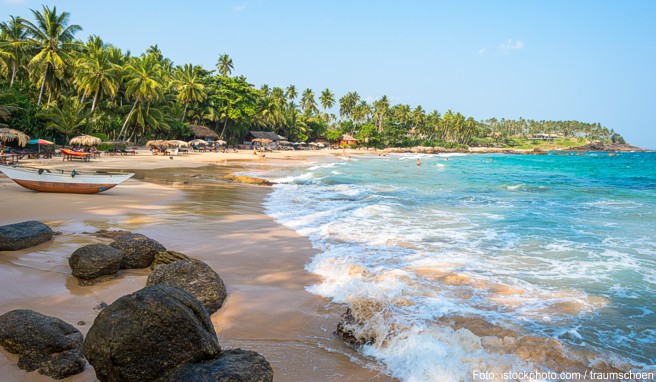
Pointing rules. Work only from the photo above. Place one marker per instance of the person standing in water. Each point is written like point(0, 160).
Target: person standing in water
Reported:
point(418, 163)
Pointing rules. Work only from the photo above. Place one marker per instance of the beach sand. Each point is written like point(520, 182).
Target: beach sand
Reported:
point(260, 261)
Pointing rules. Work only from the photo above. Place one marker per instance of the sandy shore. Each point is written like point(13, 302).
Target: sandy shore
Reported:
point(261, 262)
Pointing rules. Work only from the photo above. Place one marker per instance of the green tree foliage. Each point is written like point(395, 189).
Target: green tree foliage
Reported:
point(54, 86)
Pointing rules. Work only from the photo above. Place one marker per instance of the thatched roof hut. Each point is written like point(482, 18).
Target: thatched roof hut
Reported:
point(203, 132)
point(7, 134)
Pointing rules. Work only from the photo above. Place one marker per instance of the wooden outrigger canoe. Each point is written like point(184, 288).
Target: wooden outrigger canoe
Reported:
point(60, 181)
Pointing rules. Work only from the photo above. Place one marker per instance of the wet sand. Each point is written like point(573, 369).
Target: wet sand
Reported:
point(261, 262)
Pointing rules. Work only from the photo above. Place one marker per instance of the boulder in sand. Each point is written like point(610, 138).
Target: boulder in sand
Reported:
point(138, 251)
point(144, 335)
point(23, 235)
point(235, 365)
point(43, 343)
point(195, 277)
point(94, 263)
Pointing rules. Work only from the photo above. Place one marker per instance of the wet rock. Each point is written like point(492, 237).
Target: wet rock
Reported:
point(195, 277)
point(94, 263)
point(110, 234)
point(43, 343)
point(234, 365)
point(346, 330)
point(141, 336)
point(138, 251)
point(23, 235)
point(247, 180)
point(168, 257)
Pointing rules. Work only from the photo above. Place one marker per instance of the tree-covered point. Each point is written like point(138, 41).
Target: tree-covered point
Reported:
point(55, 86)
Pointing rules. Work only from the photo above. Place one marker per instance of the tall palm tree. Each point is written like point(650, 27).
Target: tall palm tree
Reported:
point(327, 99)
point(95, 73)
point(189, 87)
point(13, 44)
point(143, 83)
point(52, 38)
point(380, 110)
point(292, 93)
point(347, 103)
point(224, 65)
point(308, 104)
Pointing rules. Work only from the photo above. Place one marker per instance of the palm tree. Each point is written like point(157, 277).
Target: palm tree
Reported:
point(12, 45)
point(143, 83)
point(52, 37)
point(189, 87)
point(327, 99)
point(224, 65)
point(347, 103)
point(69, 119)
point(95, 73)
point(380, 110)
point(292, 93)
point(308, 104)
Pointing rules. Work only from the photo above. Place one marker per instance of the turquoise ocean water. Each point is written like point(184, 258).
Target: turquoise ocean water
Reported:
point(556, 246)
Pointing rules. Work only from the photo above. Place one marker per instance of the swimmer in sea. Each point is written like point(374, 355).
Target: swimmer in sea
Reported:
point(418, 163)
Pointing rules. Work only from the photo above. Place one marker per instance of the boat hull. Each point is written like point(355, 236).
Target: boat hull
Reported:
point(73, 182)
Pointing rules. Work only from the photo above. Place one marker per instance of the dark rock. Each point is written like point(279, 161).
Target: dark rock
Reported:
point(246, 179)
point(607, 147)
point(345, 330)
point(43, 343)
point(234, 365)
point(138, 251)
point(141, 336)
point(168, 257)
point(95, 262)
point(23, 235)
point(110, 234)
point(195, 277)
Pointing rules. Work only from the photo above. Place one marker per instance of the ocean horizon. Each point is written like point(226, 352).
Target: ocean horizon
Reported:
point(448, 264)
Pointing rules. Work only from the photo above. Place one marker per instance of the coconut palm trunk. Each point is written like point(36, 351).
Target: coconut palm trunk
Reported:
point(14, 69)
point(43, 85)
point(120, 135)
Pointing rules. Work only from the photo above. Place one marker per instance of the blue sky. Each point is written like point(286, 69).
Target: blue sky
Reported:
point(593, 61)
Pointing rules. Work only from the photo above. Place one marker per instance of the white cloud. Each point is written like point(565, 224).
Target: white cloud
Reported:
point(511, 45)
point(239, 8)
point(482, 51)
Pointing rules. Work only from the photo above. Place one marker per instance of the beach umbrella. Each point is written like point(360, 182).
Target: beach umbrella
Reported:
point(302, 143)
point(7, 135)
point(155, 143)
point(198, 142)
point(39, 142)
point(85, 140)
point(176, 143)
point(312, 144)
point(221, 142)
point(284, 143)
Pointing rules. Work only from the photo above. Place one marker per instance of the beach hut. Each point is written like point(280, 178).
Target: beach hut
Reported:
point(347, 140)
point(9, 135)
point(256, 136)
point(202, 132)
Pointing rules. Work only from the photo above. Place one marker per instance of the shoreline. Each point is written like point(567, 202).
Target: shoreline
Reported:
point(224, 225)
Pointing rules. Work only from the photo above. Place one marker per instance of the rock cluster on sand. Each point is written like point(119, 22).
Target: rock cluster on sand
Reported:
point(43, 343)
point(196, 278)
point(23, 235)
point(94, 263)
point(141, 336)
point(137, 250)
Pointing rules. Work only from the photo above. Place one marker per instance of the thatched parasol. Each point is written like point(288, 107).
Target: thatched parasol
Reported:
point(176, 143)
point(221, 142)
point(155, 143)
point(203, 132)
point(7, 134)
point(284, 143)
point(85, 140)
point(197, 142)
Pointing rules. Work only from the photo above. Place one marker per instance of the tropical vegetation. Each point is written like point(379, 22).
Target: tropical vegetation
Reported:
point(54, 86)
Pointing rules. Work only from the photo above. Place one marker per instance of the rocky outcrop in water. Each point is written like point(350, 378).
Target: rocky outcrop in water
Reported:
point(195, 277)
point(43, 343)
point(246, 180)
point(234, 365)
point(24, 235)
point(95, 263)
point(137, 250)
point(145, 335)
point(606, 147)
